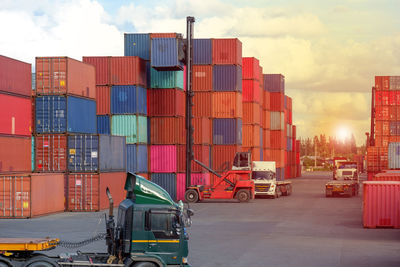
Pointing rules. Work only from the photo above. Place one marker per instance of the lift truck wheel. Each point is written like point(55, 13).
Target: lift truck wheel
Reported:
point(5, 263)
point(40, 261)
point(144, 264)
point(243, 195)
point(191, 196)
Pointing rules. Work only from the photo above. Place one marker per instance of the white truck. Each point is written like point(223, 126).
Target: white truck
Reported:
point(263, 173)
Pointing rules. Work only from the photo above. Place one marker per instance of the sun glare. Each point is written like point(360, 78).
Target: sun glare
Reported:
point(343, 133)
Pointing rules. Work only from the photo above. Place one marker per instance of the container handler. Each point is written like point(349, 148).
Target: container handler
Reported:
point(150, 232)
point(346, 180)
point(263, 173)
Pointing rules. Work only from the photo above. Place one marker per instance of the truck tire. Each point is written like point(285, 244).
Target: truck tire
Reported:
point(191, 196)
point(40, 261)
point(5, 263)
point(243, 195)
point(144, 264)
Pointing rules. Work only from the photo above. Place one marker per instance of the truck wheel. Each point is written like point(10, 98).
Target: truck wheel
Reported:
point(191, 196)
point(144, 264)
point(5, 263)
point(243, 195)
point(40, 261)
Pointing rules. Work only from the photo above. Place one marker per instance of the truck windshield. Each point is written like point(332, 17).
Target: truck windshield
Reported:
point(263, 175)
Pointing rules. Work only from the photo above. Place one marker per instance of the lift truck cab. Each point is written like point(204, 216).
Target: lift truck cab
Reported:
point(150, 231)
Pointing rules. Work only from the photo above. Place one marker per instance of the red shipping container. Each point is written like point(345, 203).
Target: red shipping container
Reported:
point(201, 153)
point(392, 98)
point(102, 66)
point(378, 98)
point(227, 51)
point(167, 130)
point(278, 139)
point(382, 113)
point(202, 130)
point(163, 35)
point(381, 205)
point(294, 134)
point(16, 115)
point(251, 68)
point(15, 154)
point(103, 96)
point(144, 175)
point(166, 102)
point(87, 191)
point(266, 138)
point(31, 194)
point(387, 176)
point(382, 83)
point(63, 75)
point(277, 101)
point(15, 76)
point(251, 135)
point(251, 91)
point(289, 103)
point(222, 156)
point(51, 153)
point(251, 113)
point(266, 154)
point(202, 78)
point(202, 102)
point(393, 113)
point(266, 123)
point(227, 105)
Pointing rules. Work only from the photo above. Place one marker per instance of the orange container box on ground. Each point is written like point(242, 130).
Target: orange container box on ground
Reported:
point(227, 105)
point(202, 102)
point(63, 75)
point(202, 78)
point(250, 135)
point(167, 130)
point(87, 191)
point(251, 113)
point(15, 154)
point(31, 194)
point(381, 205)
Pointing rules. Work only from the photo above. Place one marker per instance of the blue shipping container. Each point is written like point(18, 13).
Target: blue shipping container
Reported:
point(128, 99)
point(166, 181)
point(103, 124)
point(227, 78)
point(137, 44)
point(164, 54)
point(136, 157)
point(227, 131)
point(65, 114)
point(131, 154)
point(202, 51)
point(280, 174)
point(93, 153)
point(142, 156)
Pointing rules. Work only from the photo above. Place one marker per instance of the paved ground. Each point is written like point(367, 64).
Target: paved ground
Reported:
point(304, 229)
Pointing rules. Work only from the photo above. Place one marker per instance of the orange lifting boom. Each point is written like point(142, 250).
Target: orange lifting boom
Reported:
point(27, 244)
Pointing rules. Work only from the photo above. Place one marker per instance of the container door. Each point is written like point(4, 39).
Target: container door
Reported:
point(22, 191)
point(91, 153)
point(83, 192)
point(75, 153)
point(6, 198)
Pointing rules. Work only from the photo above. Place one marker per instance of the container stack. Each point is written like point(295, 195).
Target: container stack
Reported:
point(66, 139)
point(252, 108)
point(298, 164)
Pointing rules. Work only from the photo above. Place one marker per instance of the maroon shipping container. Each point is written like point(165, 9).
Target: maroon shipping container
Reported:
point(202, 78)
point(51, 153)
point(16, 115)
point(202, 102)
point(277, 101)
point(251, 68)
point(227, 51)
point(167, 130)
point(251, 91)
point(166, 102)
point(381, 205)
point(222, 156)
point(119, 70)
point(86, 191)
point(103, 96)
point(202, 130)
point(15, 154)
point(15, 76)
point(31, 194)
point(63, 75)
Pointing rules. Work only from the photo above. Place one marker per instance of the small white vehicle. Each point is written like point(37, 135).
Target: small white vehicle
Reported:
point(263, 173)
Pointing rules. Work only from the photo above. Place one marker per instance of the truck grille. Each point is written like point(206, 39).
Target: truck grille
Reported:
point(347, 173)
point(262, 187)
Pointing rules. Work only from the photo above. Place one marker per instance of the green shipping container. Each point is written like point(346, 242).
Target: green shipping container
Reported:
point(142, 130)
point(166, 79)
point(125, 125)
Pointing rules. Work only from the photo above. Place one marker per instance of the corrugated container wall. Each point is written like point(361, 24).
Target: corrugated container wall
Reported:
point(137, 158)
point(202, 104)
point(251, 113)
point(202, 51)
point(227, 131)
point(128, 99)
point(166, 181)
point(15, 76)
point(15, 115)
point(167, 130)
point(277, 120)
point(63, 75)
point(222, 156)
point(166, 102)
point(227, 51)
point(103, 100)
point(103, 124)
point(31, 195)
point(274, 83)
point(251, 91)
point(251, 68)
point(137, 44)
point(60, 114)
point(202, 78)
point(202, 130)
point(15, 154)
point(125, 125)
point(51, 153)
point(394, 155)
point(227, 78)
point(166, 79)
point(164, 54)
point(227, 105)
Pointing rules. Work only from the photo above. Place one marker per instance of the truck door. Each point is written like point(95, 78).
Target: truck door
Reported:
point(162, 235)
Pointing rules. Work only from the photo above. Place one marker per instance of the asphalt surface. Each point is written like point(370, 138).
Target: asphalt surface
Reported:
point(304, 229)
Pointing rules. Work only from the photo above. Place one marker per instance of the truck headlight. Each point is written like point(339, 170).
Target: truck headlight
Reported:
point(184, 260)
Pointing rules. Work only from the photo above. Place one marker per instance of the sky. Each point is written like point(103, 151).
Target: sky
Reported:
point(329, 51)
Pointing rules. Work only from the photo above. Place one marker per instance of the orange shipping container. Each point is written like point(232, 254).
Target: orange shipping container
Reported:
point(144, 175)
point(266, 123)
point(266, 138)
point(30, 195)
point(163, 35)
point(267, 100)
point(222, 156)
point(202, 104)
point(63, 75)
point(277, 155)
point(227, 51)
point(251, 135)
point(202, 130)
point(255, 152)
point(227, 105)
point(251, 113)
point(87, 191)
point(167, 130)
point(15, 154)
point(202, 78)
point(278, 139)
point(103, 95)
